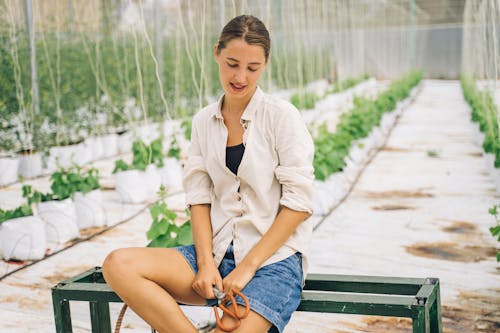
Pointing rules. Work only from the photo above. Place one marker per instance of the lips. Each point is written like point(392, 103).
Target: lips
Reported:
point(237, 87)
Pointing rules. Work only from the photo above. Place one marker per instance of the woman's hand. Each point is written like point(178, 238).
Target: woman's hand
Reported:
point(208, 276)
point(238, 278)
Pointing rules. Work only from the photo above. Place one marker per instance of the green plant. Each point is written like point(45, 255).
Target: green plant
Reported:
point(348, 83)
point(34, 197)
point(175, 149)
point(65, 183)
point(304, 101)
point(163, 231)
point(186, 126)
point(433, 153)
point(143, 155)
point(21, 211)
point(121, 165)
point(495, 230)
point(84, 181)
point(8, 140)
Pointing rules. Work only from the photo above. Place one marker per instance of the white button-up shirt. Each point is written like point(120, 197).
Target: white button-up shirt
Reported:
point(276, 169)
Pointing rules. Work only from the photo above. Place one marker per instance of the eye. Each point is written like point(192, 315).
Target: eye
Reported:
point(232, 65)
point(252, 69)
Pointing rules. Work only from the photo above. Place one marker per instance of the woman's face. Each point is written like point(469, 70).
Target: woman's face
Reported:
point(240, 66)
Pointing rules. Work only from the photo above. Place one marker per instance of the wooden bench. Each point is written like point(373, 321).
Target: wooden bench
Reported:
point(418, 299)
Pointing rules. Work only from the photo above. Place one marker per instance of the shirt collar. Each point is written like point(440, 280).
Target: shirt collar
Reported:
point(249, 110)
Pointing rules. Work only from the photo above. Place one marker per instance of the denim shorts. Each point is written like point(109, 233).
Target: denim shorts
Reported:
point(274, 292)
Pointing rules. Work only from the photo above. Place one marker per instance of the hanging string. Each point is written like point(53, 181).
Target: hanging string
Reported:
point(94, 66)
point(54, 79)
point(197, 50)
point(14, 51)
point(155, 60)
point(139, 71)
point(190, 57)
point(177, 71)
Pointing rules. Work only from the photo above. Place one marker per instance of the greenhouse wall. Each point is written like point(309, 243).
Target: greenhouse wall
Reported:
point(386, 52)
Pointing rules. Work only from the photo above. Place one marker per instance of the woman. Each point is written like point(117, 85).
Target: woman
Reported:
point(248, 182)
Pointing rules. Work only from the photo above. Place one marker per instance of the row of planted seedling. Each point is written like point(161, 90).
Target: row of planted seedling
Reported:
point(307, 100)
point(340, 154)
point(75, 201)
point(486, 132)
point(31, 164)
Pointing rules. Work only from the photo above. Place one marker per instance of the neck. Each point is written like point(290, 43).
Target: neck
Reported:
point(236, 105)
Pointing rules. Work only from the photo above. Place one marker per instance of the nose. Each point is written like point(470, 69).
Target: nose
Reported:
point(239, 75)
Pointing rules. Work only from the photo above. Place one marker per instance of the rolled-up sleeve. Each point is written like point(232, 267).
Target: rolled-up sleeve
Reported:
point(295, 170)
point(196, 181)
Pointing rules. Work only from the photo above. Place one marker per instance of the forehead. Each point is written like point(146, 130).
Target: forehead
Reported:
point(239, 50)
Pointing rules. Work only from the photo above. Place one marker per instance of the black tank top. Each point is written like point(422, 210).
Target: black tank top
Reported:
point(234, 154)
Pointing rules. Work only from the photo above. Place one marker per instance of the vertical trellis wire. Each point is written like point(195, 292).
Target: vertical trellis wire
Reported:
point(153, 57)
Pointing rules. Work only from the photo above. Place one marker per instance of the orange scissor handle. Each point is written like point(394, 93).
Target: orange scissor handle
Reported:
point(232, 313)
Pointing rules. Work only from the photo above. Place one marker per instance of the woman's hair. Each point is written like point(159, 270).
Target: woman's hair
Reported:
point(248, 28)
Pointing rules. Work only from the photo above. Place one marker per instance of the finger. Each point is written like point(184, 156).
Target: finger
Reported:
point(201, 289)
point(208, 292)
point(197, 289)
point(218, 283)
point(227, 286)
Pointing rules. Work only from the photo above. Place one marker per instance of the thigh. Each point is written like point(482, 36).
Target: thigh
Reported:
point(275, 290)
point(254, 323)
point(166, 267)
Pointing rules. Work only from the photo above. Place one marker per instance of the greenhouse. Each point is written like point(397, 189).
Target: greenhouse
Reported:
point(359, 141)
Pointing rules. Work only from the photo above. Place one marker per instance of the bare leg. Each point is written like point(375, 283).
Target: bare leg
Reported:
point(254, 323)
point(151, 281)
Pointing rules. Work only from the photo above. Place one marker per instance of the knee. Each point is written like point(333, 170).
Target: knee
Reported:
point(115, 265)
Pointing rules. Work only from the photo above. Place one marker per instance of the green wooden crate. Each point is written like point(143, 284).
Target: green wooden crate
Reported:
point(418, 299)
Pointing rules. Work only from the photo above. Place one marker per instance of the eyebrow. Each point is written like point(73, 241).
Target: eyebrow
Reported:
point(250, 63)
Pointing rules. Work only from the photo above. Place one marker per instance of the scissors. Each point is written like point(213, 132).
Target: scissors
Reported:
point(222, 303)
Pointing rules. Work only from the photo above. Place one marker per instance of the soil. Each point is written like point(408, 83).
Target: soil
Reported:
point(64, 274)
point(460, 227)
point(392, 207)
point(452, 251)
point(90, 231)
point(475, 312)
point(419, 193)
point(396, 149)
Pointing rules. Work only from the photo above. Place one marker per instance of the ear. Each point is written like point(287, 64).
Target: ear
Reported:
point(216, 53)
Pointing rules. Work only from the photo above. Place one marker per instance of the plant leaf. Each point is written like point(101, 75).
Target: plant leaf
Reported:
point(185, 236)
point(157, 229)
